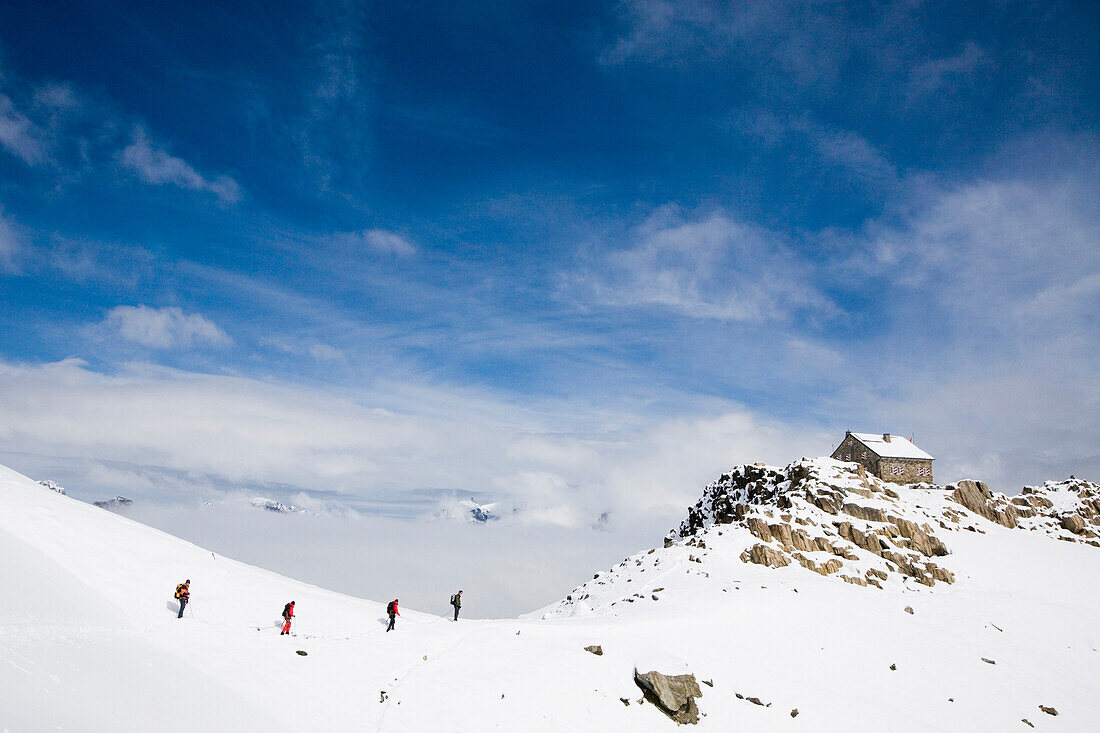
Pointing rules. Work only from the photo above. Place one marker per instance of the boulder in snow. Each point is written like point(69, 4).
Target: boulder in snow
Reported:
point(674, 695)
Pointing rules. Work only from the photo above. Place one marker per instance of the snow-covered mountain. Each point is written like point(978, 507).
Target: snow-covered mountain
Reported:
point(271, 505)
point(980, 613)
point(468, 510)
point(114, 504)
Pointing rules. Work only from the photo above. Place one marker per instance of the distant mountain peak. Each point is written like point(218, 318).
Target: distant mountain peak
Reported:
point(271, 505)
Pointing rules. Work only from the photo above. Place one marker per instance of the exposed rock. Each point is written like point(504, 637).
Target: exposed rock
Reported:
point(595, 649)
point(1074, 523)
point(119, 502)
point(53, 486)
point(673, 695)
point(866, 513)
point(893, 667)
point(988, 661)
point(909, 609)
point(794, 713)
point(765, 555)
point(1047, 710)
point(300, 653)
point(976, 496)
point(1029, 723)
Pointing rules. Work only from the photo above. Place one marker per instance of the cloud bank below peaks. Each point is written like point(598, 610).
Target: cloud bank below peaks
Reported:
point(202, 431)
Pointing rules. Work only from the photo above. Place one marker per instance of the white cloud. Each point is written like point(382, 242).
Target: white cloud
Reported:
point(208, 430)
point(837, 147)
point(934, 74)
point(18, 135)
point(317, 350)
point(378, 240)
point(711, 267)
point(156, 166)
point(852, 151)
point(992, 332)
point(10, 246)
point(992, 250)
point(164, 328)
point(790, 41)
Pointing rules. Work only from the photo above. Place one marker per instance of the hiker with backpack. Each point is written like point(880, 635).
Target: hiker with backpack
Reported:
point(183, 595)
point(456, 601)
point(391, 609)
point(288, 613)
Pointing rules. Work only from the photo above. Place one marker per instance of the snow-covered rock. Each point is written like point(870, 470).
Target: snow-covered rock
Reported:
point(278, 507)
point(52, 486)
point(468, 510)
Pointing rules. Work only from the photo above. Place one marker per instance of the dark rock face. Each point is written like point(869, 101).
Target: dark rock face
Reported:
point(595, 649)
point(673, 695)
point(114, 504)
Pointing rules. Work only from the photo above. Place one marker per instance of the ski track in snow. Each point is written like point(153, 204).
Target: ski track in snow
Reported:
point(89, 640)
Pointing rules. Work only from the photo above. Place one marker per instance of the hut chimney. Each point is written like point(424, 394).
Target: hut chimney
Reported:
point(886, 437)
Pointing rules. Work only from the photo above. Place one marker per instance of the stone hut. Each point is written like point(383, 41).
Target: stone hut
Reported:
point(890, 457)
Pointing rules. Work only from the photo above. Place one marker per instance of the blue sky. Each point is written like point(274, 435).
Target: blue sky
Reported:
point(582, 256)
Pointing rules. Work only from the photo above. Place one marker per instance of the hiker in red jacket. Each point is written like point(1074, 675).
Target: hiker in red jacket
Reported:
point(391, 609)
point(288, 613)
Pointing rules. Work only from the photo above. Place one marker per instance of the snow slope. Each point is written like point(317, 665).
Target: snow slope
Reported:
point(89, 639)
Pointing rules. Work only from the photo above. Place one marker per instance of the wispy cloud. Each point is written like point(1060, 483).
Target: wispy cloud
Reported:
point(18, 135)
point(379, 240)
point(932, 75)
point(790, 42)
point(839, 148)
point(10, 246)
point(164, 328)
point(316, 350)
point(709, 266)
point(154, 165)
point(335, 124)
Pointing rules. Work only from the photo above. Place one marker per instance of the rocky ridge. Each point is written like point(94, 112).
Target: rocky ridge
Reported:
point(834, 519)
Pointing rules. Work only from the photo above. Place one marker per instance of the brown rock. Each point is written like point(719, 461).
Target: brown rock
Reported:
point(765, 555)
point(595, 649)
point(759, 528)
point(976, 496)
point(1074, 523)
point(866, 513)
point(1048, 711)
point(782, 532)
point(674, 695)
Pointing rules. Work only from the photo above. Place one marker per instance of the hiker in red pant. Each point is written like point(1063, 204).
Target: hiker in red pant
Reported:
point(288, 613)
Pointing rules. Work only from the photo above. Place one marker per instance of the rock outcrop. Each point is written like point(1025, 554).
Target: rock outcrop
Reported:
point(674, 695)
point(833, 519)
point(829, 514)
